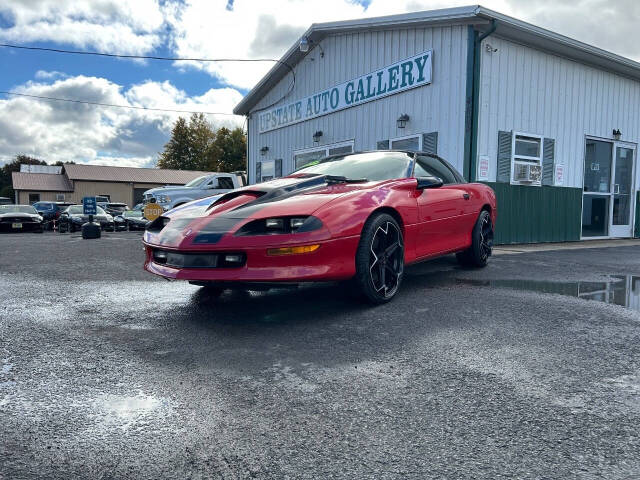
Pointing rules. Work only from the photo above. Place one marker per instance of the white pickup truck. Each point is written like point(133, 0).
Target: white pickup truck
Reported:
point(205, 186)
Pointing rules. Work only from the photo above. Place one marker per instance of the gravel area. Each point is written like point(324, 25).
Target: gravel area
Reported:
point(513, 371)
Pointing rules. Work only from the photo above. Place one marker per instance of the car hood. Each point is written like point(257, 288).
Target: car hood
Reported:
point(283, 196)
point(86, 217)
point(169, 191)
point(207, 220)
point(20, 215)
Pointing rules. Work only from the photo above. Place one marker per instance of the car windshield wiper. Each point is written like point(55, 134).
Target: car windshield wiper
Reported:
point(341, 179)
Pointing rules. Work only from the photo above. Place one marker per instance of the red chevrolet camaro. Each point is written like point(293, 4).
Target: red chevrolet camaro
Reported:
point(362, 216)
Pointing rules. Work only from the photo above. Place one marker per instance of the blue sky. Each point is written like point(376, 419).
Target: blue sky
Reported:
point(194, 28)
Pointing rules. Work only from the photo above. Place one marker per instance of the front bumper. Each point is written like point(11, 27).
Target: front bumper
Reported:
point(334, 260)
point(7, 227)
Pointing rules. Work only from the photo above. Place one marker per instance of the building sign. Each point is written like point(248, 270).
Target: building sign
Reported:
point(409, 73)
point(483, 169)
point(559, 175)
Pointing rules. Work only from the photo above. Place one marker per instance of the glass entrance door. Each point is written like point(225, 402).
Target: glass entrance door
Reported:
point(607, 201)
point(622, 192)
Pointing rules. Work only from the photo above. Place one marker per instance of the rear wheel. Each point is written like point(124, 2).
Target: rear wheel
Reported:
point(380, 259)
point(477, 255)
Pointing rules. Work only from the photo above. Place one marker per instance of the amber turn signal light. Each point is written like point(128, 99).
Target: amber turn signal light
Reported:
point(292, 250)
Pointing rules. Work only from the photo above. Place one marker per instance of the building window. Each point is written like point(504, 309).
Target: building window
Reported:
point(303, 157)
point(413, 143)
point(426, 142)
point(526, 159)
point(59, 197)
point(268, 170)
point(34, 197)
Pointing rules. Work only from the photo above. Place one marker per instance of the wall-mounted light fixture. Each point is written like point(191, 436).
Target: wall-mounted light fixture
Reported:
point(317, 135)
point(402, 120)
point(304, 44)
point(617, 133)
point(264, 150)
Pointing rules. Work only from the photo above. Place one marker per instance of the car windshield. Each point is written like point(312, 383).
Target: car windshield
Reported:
point(43, 206)
point(196, 181)
point(133, 213)
point(374, 166)
point(17, 209)
point(77, 210)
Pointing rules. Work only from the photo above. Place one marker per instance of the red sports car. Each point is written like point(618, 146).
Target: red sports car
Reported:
point(362, 216)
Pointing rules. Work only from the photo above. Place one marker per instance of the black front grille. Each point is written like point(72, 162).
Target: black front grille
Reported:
point(199, 260)
point(17, 220)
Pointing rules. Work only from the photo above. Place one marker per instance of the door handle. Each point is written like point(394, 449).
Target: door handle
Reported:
point(466, 196)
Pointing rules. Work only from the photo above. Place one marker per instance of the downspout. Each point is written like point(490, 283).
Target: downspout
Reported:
point(471, 140)
point(248, 117)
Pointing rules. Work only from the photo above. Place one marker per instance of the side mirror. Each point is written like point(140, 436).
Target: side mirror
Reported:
point(429, 182)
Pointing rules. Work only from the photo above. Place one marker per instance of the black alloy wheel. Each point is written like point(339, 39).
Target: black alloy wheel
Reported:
point(380, 259)
point(477, 255)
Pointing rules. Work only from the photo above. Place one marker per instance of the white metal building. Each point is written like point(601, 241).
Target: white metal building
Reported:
point(550, 123)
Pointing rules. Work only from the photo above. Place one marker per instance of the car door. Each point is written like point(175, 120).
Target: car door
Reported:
point(441, 210)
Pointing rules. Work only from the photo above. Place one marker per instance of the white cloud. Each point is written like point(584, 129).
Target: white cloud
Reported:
point(132, 27)
point(259, 29)
point(83, 133)
point(48, 75)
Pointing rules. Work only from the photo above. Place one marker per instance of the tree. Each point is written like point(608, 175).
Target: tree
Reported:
point(196, 145)
point(177, 151)
point(231, 148)
point(6, 181)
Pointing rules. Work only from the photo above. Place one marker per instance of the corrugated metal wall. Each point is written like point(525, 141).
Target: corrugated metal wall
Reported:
point(537, 214)
point(531, 91)
point(437, 107)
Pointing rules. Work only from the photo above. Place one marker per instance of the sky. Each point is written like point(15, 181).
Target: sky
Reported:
point(57, 131)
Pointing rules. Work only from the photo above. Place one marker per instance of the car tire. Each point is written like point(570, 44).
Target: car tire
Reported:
point(380, 259)
point(477, 255)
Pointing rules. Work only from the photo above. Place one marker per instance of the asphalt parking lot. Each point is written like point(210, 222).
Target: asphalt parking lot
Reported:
point(514, 371)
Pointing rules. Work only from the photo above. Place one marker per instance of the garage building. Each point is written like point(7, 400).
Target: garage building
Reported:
point(75, 181)
point(552, 124)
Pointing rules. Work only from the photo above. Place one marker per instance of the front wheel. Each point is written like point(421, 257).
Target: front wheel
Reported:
point(477, 255)
point(380, 259)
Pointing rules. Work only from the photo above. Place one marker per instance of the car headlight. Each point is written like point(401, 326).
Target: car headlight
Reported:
point(109, 218)
point(280, 225)
point(163, 199)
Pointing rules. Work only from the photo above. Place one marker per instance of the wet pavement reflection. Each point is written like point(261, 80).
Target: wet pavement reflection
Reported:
point(622, 290)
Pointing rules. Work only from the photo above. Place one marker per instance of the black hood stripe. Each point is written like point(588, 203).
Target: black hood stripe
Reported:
point(226, 222)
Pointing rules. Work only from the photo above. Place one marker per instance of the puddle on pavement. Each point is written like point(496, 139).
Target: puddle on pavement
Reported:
point(623, 290)
point(126, 411)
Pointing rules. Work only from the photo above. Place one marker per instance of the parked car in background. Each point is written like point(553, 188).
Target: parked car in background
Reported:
point(205, 186)
point(5, 201)
point(72, 219)
point(102, 201)
point(20, 218)
point(130, 220)
point(50, 212)
point(115, 208)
